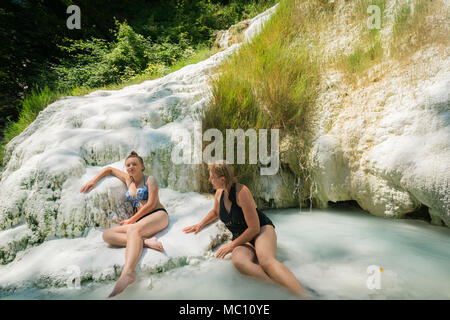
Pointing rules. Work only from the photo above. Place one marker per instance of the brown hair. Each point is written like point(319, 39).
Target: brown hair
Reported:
point(133, 154)
point(222, 168)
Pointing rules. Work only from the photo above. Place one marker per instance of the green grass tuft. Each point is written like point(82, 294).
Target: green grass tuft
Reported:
point(272, 82)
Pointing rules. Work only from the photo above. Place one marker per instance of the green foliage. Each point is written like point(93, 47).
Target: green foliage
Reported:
point(31, 106)
point(38, 99)
point(129, 52)
point(160, 38)
point(95, 63)
point(401, 18)
point(270, 83)
point(39, 51)
point(360, 60)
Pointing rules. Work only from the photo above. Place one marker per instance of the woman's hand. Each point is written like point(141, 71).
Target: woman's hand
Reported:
point(127, 221)
point(88, 186)
point(195, 228)
point(224, 250)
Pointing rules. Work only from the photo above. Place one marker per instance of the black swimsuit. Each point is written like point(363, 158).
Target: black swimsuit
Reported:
point(151, 213)
point(234, 220)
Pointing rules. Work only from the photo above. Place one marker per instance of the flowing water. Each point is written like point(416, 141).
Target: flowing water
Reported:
point(329, 251)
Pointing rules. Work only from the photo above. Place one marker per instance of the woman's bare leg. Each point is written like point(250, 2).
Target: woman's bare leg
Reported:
point(244, 259)
point(265, 246)
point(146, 227)
point(117, 236)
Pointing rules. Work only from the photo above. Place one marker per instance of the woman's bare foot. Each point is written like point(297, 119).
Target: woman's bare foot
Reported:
point(154, 243)
point(302, 294)
point(124, 281)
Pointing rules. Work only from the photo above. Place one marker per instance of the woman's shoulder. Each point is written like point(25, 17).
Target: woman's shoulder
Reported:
point(241, 187)
point(243, 193)
point(218, 194)
point(151, 181)
point(127, 179)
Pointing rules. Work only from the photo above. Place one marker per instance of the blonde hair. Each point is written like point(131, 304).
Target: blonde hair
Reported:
point(222, 168)
point(133, 154)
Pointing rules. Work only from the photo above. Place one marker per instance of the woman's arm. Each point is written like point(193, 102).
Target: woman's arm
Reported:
point(212, 216)
point(247, 203)
point(107, 171)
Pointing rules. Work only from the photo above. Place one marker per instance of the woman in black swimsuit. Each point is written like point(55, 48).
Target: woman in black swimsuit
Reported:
point(254, 242)
point(149, 217)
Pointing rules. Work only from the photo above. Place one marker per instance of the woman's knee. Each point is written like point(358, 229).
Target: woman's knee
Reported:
point(134, 231)
point(266, 262)
point(240, 257)
point(235, 255)
point(239, 264)
point(106, 235)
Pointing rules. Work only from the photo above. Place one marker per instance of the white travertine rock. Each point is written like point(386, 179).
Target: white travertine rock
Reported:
point(69, 142)
point(384, 142)
point(388, 147)
point(73, 138)
point(53, 262)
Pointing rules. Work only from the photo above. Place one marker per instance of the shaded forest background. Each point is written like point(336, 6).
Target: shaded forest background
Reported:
point(118, 40)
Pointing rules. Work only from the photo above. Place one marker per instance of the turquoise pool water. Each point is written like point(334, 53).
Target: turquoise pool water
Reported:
point(329, 251)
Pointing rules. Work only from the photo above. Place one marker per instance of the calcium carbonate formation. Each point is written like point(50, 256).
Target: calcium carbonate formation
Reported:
point(70, 141)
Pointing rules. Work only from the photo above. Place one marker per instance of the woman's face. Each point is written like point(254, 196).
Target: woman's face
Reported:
point(133, 166)
point(217, 182)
